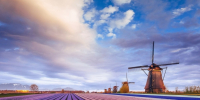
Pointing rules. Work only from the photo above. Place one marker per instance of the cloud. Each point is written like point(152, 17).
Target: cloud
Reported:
point(57, 44)
point(110, 9)
point(111, 35)
point(89, 15)
point(121, 2)
point(100, 36)
point(97, 23)
point(107, 11)
point(88, 2)
point(104, 16)
point(153, 9)
point(121, 23)
point(133, 26)
point(180, 11)
point(43, 41)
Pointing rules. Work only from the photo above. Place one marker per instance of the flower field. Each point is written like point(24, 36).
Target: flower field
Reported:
point(95, 96)
point(71, 96)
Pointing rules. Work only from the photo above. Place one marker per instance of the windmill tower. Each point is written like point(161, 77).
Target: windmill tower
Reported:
point(125, 86)
point(154, 81)
point(115, 88)
point(109, 90)
point(105, 90)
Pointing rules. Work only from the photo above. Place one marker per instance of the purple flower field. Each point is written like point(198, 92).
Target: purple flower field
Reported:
point(95, 96)
point(71, 96)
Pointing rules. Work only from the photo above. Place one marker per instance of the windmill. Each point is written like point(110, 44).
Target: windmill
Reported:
point(125, 86)
point(105, 90)
point(154, 81)
point(109, 90)
point(115, 88)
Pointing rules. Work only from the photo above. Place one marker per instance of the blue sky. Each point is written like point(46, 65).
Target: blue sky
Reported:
point(89, 44)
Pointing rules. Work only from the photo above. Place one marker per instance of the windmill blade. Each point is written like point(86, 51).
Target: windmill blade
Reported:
point(168, 64)
point(131, 82)
point(153, 53)
point(126, 77)
point(138, 67)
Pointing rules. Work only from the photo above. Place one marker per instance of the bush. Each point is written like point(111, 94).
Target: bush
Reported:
point(192, 89)
point(52, 92)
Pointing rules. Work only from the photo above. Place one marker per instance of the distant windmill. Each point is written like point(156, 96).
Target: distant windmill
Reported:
point(105, 90)
point(109, 90)
point(115, 88)
point(154, 81)
point(125, 86)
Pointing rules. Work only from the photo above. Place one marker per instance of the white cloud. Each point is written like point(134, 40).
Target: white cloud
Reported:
point(88, 2)
point(90, 14)
point(110, 29)
point(97, 23)
point(104, 16)
point(109, 9)
point(181, 22)
point(106, 12)
point(180, 11)
point(111, 35)
point(133, 26)
point(121, 23)
point(121, 2)
point(100, 36)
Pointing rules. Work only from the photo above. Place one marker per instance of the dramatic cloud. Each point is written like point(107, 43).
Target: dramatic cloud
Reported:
point(56, 42)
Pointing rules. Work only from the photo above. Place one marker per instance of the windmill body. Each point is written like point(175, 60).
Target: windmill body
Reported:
point(154, 80)
point(105, 90)
point(125, 86)
point(109, 90)
point(115, 88)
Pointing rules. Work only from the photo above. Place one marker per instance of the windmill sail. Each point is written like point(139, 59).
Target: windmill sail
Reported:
point(153, 53)
point(126, 77)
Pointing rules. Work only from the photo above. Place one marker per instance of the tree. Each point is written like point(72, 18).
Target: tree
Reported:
point(34, 87)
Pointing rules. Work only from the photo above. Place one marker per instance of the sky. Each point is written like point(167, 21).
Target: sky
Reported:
point(89, 44)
